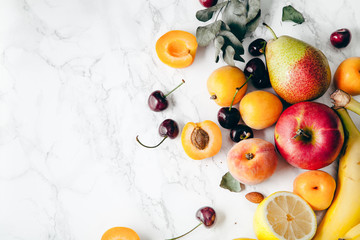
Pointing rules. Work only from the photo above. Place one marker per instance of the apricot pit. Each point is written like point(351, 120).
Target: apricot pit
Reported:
point(201, 140)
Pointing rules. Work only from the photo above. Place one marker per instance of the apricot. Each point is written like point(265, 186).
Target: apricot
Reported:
point(120, 233)
point(252, 161)
point(222, 85)
point(177, 48)
point(347, 76)
point(260, 109)
point(201, 140)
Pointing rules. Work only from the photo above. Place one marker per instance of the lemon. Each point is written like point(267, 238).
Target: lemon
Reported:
point(285, 216)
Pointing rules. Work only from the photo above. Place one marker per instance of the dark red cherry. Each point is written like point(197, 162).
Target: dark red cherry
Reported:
point(168, 128)
point(262, 82)
point(208, 3)
point(206, 215)
point(256, 67)
point(241, 132)
point(157, 100)
point(228, 118)
point(340, 38)
point(257, 47)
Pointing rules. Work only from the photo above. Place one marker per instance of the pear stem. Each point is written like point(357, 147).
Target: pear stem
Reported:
point(237, 90)
point(185, 233)
point(183, 81)
point(272, 31)
point(137, 139)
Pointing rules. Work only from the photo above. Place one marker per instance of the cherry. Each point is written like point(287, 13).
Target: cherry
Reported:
point(208, 3)
point(340, 38)
point(241, 132)
point(168, 128)
point(206, 215)
point(157, 100)
point(257, 47)
point(256, 67)
point(228, 117)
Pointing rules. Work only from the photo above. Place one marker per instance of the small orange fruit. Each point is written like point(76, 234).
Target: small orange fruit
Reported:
point(201, 140)
point(120, 233)
point(177, 48)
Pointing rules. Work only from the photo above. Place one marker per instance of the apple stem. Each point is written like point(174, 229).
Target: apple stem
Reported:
point(272, 31)
point(301, 132)
point(185, 233)
point(249, 156)
point(182, 82)
point(137, 139)
point(237, 90)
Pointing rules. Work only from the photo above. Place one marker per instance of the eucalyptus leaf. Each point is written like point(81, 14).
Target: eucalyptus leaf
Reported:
point(234, 41)
point(206, 14)
point(253, 24)
point(218, 43)
point(291, 14)
point(205, 34)
point(253, 10)
point(228, 55)
point(230, 183)
point(234, 15)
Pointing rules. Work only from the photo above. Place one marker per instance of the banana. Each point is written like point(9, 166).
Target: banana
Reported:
point(344, 212)
point(353, 234)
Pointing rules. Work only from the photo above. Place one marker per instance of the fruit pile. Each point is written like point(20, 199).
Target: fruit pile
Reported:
point(308, 135)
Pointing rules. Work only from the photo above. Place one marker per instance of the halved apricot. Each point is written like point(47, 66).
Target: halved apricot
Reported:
point(201, 140)
point(177, 48)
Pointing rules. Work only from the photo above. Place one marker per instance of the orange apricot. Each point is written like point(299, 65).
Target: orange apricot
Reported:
point(177, 48)
point(222, 85)
point(201, 140)
point(120, 233)
point(260, 109)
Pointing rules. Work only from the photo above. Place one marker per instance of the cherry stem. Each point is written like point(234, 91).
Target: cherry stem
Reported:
point(246, 136)
point(301, 132)
point(183, 81)
point(186, 233)
point(137, 139)
point(237, 90)
point(272, 31)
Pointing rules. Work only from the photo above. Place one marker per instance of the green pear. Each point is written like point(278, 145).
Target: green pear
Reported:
point(298, 71)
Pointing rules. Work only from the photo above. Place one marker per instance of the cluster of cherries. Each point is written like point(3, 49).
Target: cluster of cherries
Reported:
point(157, 102)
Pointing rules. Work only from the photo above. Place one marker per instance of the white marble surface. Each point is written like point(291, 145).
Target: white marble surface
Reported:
point(74, 80)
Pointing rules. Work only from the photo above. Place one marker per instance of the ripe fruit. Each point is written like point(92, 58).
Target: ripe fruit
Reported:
point(168, 128)
point(208, 3)
point(177, 48)
point(347, 76)
point(316, 187)
point(222, 85)
point(284, 215)
point(120, 233)
point(259, 75)
point(298, 72)
point(157, 100)
point(206, 216)
point(241, 132)
point(252, 161)
point(201, 140)
point(257, 47)
point(344, 212)
point(340, 38)
point(353, 233)
point(309, 135)
point(260, 109)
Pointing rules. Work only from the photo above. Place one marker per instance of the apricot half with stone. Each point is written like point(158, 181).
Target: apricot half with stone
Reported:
point(177, 48)
point(222, 85)
point(201, 140)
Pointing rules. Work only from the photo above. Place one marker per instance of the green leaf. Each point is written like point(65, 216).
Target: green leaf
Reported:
point(253, 24)
point(234, 15)
point(291, 14)
point(228, 55)
point(230, 183)
point(234, 41)
point(205, 34)
point(218, 43)
point(206, 14)
point(253, 10)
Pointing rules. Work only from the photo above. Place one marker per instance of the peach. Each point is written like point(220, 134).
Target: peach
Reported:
point(222, 85)
point(252, 161)
point(177, 48)
point(260, 109)
point(201, 140)
point(316, 187)
point(347, 76)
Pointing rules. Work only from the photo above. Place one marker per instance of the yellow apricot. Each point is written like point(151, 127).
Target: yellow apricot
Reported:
point(120, 233)
point(260, 109)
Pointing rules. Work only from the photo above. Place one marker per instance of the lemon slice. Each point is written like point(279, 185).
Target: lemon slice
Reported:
point(285, 216)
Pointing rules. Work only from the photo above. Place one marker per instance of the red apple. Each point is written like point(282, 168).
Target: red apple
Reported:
point(309, 135)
